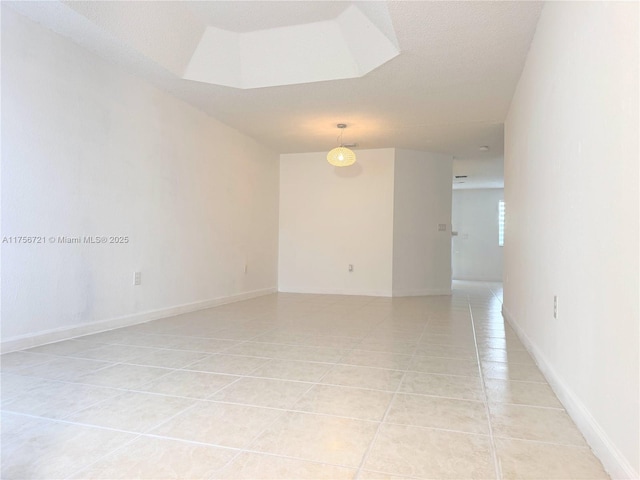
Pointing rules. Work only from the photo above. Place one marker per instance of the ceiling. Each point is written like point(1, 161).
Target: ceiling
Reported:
point(448, 90)
point(347, 46)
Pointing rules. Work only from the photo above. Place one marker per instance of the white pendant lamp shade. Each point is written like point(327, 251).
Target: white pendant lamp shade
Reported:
point(341, 157)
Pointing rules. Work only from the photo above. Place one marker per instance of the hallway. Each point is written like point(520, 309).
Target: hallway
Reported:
point(294, 386)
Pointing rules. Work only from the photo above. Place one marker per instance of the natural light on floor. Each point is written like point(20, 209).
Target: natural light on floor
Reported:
point(294, 386)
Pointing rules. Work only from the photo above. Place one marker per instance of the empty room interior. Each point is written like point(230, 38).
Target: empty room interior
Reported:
point(320, 240)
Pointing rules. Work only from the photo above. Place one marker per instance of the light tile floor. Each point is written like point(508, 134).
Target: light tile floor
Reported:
point(293, 386)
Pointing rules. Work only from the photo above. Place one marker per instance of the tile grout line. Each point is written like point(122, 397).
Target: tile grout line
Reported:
point(367, 452)
point(185, 368)
point(89, 465)
point(255, 438)
point(149, 434)
point(137, 434)
point(278, 417)
point(492, 444)
point(224, 351)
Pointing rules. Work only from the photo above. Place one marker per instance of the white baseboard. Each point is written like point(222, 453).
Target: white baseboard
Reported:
point(368, 293)
point(335, 291)
point(421, 293)
point(612, 459)
point(55, 335)
point(470, 279)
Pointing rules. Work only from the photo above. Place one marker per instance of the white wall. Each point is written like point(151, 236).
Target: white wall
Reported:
point(476, 254)
point(381, 215)
point(422, 200)
point(571, 188)
point(90, 150)
point(331, 217)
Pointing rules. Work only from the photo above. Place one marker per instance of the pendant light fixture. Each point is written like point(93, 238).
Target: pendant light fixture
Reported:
point(341, 156)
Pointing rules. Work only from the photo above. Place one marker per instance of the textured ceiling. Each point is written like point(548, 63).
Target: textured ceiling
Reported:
point(448, 90)
point(251, 16)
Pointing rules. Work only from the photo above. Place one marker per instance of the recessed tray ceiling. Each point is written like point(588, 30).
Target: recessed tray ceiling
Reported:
point(348, 46)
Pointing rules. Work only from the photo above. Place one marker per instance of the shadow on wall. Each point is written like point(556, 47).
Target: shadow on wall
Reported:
point(351, 171)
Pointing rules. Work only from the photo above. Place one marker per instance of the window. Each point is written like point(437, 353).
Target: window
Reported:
point(501, 223)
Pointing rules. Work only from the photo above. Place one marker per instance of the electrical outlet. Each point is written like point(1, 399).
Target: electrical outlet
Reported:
point(137, 278)
point(555, 307)
point(442, 227)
